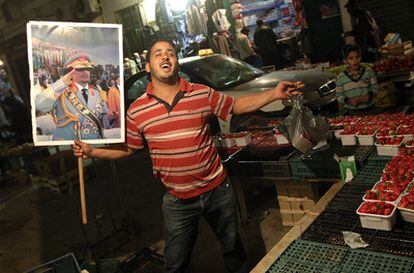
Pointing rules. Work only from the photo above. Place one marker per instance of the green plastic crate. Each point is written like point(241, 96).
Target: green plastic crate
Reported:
point(363, 153)
point(319, 257)
point(314, 167)
point(101, 266)
point(370, 172)
point(403, 265)
point(322, 164)
point(374, 157)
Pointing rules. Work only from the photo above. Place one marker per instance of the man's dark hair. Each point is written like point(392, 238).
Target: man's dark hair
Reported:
point(259, 22)
point(155, 41)
point(150, 48)
point(350, 48)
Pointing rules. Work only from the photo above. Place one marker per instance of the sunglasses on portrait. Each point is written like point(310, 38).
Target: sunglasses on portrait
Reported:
point(83, 69)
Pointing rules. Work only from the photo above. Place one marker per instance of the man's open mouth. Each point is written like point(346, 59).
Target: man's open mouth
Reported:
point(166, 66)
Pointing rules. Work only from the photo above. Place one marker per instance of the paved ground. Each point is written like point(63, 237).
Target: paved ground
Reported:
point(37, 225)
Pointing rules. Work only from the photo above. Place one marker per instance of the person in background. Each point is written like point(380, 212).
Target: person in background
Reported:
point(172, 119)
point(17, 114)
point(138, 61)
point(245, 48)
point(357, 86)
point(265, 41)
point(365, 30)
point(114, 107)
point(220, 44)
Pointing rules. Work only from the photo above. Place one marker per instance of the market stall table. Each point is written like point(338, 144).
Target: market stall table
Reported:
point(317, 243)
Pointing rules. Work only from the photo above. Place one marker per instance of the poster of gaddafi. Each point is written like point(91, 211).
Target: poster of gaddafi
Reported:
point(76, 82)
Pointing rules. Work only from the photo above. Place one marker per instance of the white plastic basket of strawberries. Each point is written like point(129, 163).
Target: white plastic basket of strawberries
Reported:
point(366, 135)
point(388, 145)
point(409, 144)
point(399, 175)
point(406, 132)
point(406, 207)
point(387, 196)
point(236, 139)
point(377, 215)
point(399, 171)
point(378, 211)
point(347, 135)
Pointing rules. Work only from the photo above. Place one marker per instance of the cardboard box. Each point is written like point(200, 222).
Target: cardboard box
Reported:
point(348, 171)
point(290, 218)
point(17, 176)
point(301, 189)
point(347, 167)
point(287, 219)
point(308, 205)
point(282, 189)
point(51, 166)
point(59, 184)
point(295, 204)
point(387, 95)
point(284, 205)
point(297, 217)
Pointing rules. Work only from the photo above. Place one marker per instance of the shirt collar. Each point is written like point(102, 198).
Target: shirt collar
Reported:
point(357, 76)
point(184, 87)
point(80, 87)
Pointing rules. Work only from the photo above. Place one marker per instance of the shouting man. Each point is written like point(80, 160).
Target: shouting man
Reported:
point(172, 118)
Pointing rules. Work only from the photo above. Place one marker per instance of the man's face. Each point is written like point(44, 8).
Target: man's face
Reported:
point(353, 60)
point(81, 75)
point(163, 64)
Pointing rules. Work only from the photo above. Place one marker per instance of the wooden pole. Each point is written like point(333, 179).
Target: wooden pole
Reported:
point(82, 191)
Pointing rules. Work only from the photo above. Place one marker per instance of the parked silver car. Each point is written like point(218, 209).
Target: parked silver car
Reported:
point(237, 78)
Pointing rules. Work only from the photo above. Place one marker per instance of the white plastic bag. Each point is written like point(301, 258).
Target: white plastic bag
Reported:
point(302, 128)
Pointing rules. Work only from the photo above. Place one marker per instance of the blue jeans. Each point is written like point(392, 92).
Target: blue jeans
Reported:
point(181, 217)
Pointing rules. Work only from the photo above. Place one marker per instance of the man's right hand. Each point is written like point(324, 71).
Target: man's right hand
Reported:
point(82, 149)
point(67, 78)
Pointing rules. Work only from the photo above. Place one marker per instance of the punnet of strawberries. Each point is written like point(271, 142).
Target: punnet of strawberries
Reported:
point(379, 195)
point(407, 201)
point(409, 143)
point(406, 151)
point(400, 170)
point(379, 208)
point(389, 140)
point(405, 130)
point(389, 186)
point(387, 131)
point(366, 130)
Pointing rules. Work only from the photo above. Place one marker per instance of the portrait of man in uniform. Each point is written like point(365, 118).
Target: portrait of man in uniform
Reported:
point(70, 104)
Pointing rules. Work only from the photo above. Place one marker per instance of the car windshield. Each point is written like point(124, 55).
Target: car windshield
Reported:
point(220, 72)
point(139, 86)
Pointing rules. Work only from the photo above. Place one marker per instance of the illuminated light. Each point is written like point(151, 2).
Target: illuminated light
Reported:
point(177, 5)
point(205, 52)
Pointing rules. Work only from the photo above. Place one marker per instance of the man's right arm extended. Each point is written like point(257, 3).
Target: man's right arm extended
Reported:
point(46, 99)
point(84, 150)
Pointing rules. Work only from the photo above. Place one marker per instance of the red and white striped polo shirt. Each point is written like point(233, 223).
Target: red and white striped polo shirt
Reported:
point(179, 140)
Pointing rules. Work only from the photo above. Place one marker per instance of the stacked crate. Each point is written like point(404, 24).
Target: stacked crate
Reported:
point(56, 172)
point(295, 199)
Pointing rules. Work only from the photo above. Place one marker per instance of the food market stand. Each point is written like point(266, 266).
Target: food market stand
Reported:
point(316, 243)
